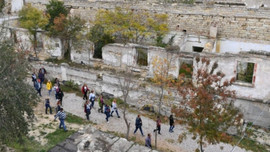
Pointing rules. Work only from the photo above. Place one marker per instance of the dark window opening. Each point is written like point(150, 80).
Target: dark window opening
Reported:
point(245, 71)
point(57, 45)
point(197, 49)
point(142, 56)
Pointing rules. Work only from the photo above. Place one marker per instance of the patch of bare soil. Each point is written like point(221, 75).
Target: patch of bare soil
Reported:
point(44, 124)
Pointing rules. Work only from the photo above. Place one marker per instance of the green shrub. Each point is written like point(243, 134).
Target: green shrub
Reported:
point(74, 119)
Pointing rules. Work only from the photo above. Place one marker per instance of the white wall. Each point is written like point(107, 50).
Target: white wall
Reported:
point(83, 53)
point(52, 46)
point(231, 46)
point(226, 46)
point(260, 88)
point(16, 5)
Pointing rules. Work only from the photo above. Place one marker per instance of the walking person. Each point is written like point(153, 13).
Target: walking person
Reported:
point(41, 77)
point(62, 116)
point(47, 105)
point(49, 87)
point(158, 125)
point(107, 112)
point(138, 124)
point(114, 108)
point(92, 98)
point(58, 105)
point(87, 109)
point(101, 103)
point(38, 87)
point(57, 82)
point(43, 70)
point(85, 91)
point(171, 123)
point(60, 96)
point(34, 78)
point(56, 90)
point(148, 141)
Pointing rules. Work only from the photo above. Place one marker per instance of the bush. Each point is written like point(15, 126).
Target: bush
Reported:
point(71, 84)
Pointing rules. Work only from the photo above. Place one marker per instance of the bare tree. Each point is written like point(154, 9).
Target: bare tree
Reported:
point(162, 78)
point(126, 84)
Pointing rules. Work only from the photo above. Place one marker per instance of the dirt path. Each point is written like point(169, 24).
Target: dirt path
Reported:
point(167, 141)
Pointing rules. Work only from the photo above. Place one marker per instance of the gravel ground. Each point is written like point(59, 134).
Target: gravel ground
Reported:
point(167, 141)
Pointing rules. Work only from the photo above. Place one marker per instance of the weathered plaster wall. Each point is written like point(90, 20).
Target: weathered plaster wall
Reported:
point(16, 5)
point(82, 53)
point(173, 59)
point(260, 88)
point(120, 54)
point(52, 46)
point(225, 45)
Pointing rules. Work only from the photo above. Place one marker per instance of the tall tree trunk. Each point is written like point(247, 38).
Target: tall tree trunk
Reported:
point(155, 139)
point(68, 54)
point(125, 118)
point(201, 144)
point(35, 44)
point(160, 100)
point(62, 41)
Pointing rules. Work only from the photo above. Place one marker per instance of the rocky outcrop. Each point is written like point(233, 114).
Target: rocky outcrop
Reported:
point(89, 139)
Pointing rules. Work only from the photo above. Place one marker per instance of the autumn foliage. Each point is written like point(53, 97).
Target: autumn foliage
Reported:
point(127, 25)
point(207, 108)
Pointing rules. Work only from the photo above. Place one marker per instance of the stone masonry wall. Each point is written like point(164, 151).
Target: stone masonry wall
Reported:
point(232, 21)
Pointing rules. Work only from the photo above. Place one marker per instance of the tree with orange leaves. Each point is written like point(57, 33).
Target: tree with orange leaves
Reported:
point(207, 108)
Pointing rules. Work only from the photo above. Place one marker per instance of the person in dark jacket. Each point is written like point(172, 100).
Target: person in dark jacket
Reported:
point(87, 108)
point(47, 105)
point(34, 78)
point(58, 107)
point(138, 124)
point(41, 77)
point(38, 87)
point(171, 123)
point(158, 125)
point(84, 91)
point(107, 112)
point(60, 96)
point(101, 103)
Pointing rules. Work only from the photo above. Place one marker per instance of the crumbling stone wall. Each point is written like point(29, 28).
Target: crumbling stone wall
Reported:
point(231, 21)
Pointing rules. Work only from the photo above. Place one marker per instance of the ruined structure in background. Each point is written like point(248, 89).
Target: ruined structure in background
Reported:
point(236, 33)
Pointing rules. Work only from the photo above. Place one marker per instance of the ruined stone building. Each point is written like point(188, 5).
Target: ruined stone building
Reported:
point(235, 33)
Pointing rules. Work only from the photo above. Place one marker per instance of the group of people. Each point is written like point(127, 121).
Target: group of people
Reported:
point(89, 104)
point(138, 125)
point(109, 110)
point(38, 79)
point(103, 107)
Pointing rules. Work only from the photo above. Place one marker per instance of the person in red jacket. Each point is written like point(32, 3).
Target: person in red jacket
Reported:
point(84, 91)
point(158, 125)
